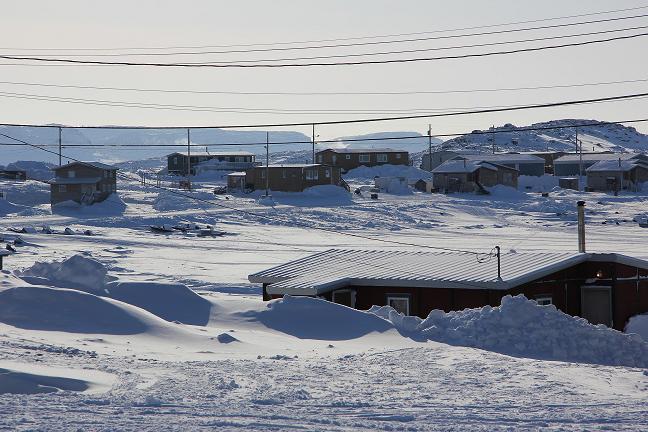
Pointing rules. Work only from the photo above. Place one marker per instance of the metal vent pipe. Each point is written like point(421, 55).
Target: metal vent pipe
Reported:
point(581, 226)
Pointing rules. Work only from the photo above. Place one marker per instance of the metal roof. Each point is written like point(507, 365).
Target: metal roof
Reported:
point(336, 268)
point(361, 150)
point(505, 158)
point(215, 154)
point(594, 157)
point(289, 166)
point(99, 165)
point(462, 166)
point(617, 165)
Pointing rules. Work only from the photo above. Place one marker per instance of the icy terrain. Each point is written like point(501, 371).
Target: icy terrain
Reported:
point(107, 325)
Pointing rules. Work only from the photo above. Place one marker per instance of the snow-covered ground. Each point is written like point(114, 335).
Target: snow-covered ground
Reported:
point(115, 327)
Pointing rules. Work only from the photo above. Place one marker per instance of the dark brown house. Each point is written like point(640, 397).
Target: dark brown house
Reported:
point(13, 174)
point(617, 175)
point(604, 288)
point(178, 163)
point(461, 175)
point(348, 159)
point(291, 177)
point(83, 182)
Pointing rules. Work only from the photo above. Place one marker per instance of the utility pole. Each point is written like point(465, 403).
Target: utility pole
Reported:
point(493, 137)
point(429, 147)
point(60, 146)
point(580, 160)
point(188, 158)
point(267, 163)
point(313, 142)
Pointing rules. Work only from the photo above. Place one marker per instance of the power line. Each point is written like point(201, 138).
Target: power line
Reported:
point(368, 93)
point(312, 64)
point(339, 39)
point(262, 216)
point(348, 140)
point(371, 43)
point(366, 120)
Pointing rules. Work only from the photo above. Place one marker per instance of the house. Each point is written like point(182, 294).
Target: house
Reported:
point(462, 175)
point(604, 288)
point(617, 175)
point(549, 158)
point(424, 185)
point(569, 165)
point(177, 163)
point(10, 174)
point(83, 182)
point(525, 164)
point(236, 182)
point(350, 158)
point(291, 177)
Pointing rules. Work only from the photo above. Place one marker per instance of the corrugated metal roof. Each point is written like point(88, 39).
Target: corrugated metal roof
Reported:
point(99, 165)
point(365, 150)
point(503, 158)
point(462, 166)
point(617, 165)
point(594, 157)
point(215, 154)
point(335, 268)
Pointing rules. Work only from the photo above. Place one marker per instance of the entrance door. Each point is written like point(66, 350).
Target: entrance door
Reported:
point(344, 297)
point(596, 304)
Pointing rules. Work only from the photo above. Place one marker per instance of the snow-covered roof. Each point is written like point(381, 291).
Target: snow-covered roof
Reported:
point(337, 268)
point(363, 150)
point(462, 166)
point(99, 165)
point(237, 174)
point(75, 180)
point(504, 158)
point(289, 166)
point(594, 157)
point(617, 165)
point(215, 154)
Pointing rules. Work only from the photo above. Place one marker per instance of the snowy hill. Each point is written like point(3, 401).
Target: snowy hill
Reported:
point(600, 137)
point(386, 139)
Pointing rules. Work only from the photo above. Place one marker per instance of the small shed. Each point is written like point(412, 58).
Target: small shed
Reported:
point(236, 182)
point(424, 185)
point(569, 183)
point(391, 184)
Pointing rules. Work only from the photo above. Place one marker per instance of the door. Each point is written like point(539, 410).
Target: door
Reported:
point(596, 304)
point(344, 297)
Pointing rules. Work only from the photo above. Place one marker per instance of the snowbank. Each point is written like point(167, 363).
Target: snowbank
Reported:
point(312, 318)
point(522, 328)
point(181, 200)
point(315, 196)
point(172, 302)
point(78, 272)
point(27, 383)
point(506, 193)
point(368, 173)
point(638, 324)
point(537, 184)
point(8, 208)
point(111, 206)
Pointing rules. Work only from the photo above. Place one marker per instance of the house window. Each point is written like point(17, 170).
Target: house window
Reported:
point(544, 300)
point(364, 158)
point(312, 174)
point(262, 174)
point(175, 160)
point(348, 156)
point(508, 178)
point(381, 158)
point(344, 297)
point(398, 155)
point(327, 173)
point(319, 158)
point(284, 174)
point(105, 174)
point(71, 174)
point(401, 304)
point(62, 188)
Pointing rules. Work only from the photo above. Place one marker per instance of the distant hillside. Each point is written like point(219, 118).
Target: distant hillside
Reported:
point(387, 139)
point(595, 138)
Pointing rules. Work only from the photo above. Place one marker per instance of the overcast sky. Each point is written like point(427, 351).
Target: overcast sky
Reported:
point(46, 25)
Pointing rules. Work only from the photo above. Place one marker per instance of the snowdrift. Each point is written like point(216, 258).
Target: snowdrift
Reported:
point(181, 200)
point(368, 173)
point(522, 328)
point(66, 310)
point(315, 196)
point(171, 302)
point(7, 208)
point(27, 383)
point(638, 324)
point(111, 206)
point(312, 318)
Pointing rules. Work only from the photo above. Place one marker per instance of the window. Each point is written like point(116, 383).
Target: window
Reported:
point(544, 300)
point(381, 158)
point(327, 173)
point(105, 174)
point(319, 158)
point(398, 155)
point(71, 174)
point(263, 173)
point(312, 174)
point(175, 160)
point(364, 158)
point(401, 304)
point(344, 297)
point(284, 174)
point(348, 156)
point(62, 188)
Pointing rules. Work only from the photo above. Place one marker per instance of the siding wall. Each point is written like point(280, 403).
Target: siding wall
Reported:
point(348, 161)
point(291, 179)
point(74, 192)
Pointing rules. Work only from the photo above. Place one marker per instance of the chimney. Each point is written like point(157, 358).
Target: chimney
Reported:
point(581, 226)
point(619, 162)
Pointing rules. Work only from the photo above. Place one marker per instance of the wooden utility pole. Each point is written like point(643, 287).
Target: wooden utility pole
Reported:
point(493, 137)
point(579, 149)
point(313, 142)
point(267, 163)
point(60, 146)
point(429, 147)
point(188, 158)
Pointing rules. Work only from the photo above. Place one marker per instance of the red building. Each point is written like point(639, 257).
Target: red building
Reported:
point(604, 288)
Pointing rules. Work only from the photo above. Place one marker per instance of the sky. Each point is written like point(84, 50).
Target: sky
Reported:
point(64, 27)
